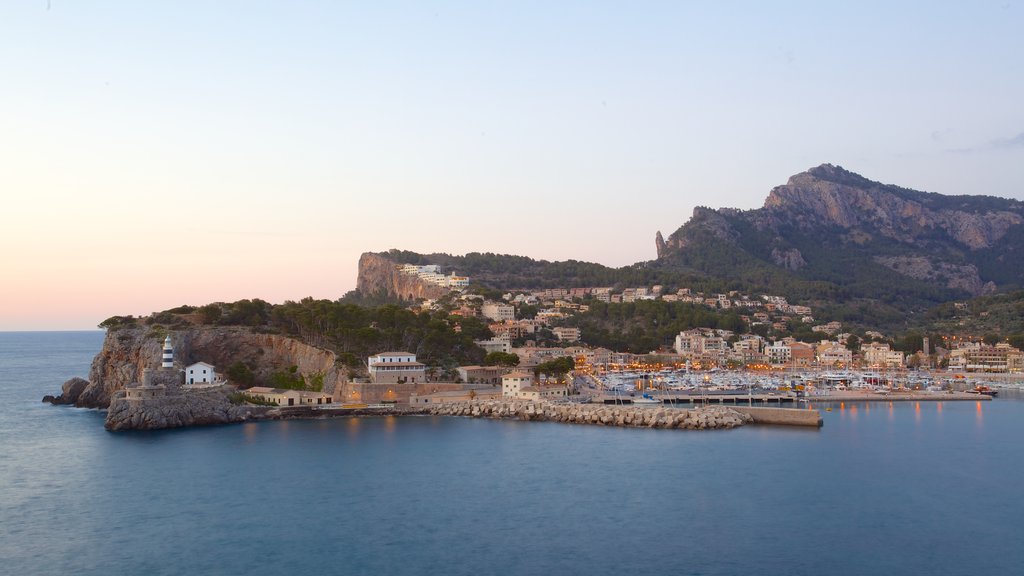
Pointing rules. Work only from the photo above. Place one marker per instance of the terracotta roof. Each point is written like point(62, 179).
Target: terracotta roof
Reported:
point(518, 374)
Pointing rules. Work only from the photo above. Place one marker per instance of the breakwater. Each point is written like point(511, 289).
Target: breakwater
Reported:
point(701, 418)
point(781, 416)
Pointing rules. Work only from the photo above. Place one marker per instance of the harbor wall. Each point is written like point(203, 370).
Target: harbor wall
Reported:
point(700, 418)
point(781, 416)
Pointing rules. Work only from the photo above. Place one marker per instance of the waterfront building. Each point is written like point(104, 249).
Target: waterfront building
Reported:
point(778, 353)
point(877, 355)
point(514, 382)
point(482, 374)
point(285, 397)
point(834, 354)
point(449, 396)
point(395, 367)
point(977, 357)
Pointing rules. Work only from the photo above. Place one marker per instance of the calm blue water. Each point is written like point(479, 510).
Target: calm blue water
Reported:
point(908, 489)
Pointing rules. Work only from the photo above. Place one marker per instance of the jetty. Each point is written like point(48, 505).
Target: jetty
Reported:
point(705, 417)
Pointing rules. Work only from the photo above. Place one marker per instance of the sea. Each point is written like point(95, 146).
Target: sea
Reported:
point(928, 488)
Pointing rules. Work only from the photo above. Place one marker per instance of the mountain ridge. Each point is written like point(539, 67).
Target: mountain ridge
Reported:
point(857, 250)
point(954, 242)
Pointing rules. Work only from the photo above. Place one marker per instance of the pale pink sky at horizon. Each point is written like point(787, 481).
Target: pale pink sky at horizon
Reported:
point(156, 154)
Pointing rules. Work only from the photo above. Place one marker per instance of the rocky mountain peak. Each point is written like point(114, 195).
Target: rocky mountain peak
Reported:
point(828, 214)
point(831, 196)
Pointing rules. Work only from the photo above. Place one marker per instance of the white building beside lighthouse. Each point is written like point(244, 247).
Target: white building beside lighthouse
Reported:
point(200, 373)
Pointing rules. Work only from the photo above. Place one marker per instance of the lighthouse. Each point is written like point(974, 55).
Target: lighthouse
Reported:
point(168, 357)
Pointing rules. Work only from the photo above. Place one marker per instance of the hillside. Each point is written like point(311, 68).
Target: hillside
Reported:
point(865, 253)
point(860, 250)
point(509, 272)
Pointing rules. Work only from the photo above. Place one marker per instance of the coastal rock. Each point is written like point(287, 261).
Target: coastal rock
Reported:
point(176, 410)
point(70, 392)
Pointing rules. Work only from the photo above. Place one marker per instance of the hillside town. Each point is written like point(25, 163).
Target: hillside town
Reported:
point(704, 347)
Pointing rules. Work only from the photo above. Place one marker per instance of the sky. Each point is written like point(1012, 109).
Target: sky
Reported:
point(161, 153)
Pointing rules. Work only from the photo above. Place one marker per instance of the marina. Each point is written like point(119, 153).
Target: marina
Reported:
point(674, 387)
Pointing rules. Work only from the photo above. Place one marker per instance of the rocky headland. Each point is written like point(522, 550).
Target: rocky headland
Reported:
point(128, 352)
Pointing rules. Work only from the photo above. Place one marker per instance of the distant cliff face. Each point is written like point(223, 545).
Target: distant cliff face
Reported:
point(830, 225)
point(379, 274)
point(830, 196)
point(128, 351)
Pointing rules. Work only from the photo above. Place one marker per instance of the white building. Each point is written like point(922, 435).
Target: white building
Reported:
point(200, 373)
point(515, 382)
point(778, 353)
point(396, 367)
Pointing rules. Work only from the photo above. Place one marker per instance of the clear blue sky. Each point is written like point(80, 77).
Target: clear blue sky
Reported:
point(156, 153)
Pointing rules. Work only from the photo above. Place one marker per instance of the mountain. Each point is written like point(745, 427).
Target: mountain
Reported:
point(835, 238)
point(858, 251)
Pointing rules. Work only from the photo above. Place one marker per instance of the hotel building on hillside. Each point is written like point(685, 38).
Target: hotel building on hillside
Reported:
point(395, 367)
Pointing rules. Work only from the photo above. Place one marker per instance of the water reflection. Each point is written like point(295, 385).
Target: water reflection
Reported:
point(352, 427)
point(249, 430)
point(917, 412)
point(979, 417)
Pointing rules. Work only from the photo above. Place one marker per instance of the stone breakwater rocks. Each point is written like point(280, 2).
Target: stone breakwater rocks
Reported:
point(701, 418)
point(174, 411)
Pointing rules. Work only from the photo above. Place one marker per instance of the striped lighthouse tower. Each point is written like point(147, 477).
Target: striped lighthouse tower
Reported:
point(168, 357)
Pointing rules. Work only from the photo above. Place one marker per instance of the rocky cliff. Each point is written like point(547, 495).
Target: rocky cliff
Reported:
point(176, 409)
point(127, 352)
point(831, 232)
point(828, 196)
point(378, 274)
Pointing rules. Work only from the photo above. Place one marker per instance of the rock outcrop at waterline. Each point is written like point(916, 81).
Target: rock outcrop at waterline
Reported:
point(70, 392)
point(701, 418)
point(177, 409)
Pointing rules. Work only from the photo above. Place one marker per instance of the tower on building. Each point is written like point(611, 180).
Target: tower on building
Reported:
point(925, 346)
point(168, 357)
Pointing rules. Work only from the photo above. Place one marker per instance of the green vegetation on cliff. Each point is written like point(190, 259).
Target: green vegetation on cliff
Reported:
point(352, 331)
point(505, 272)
